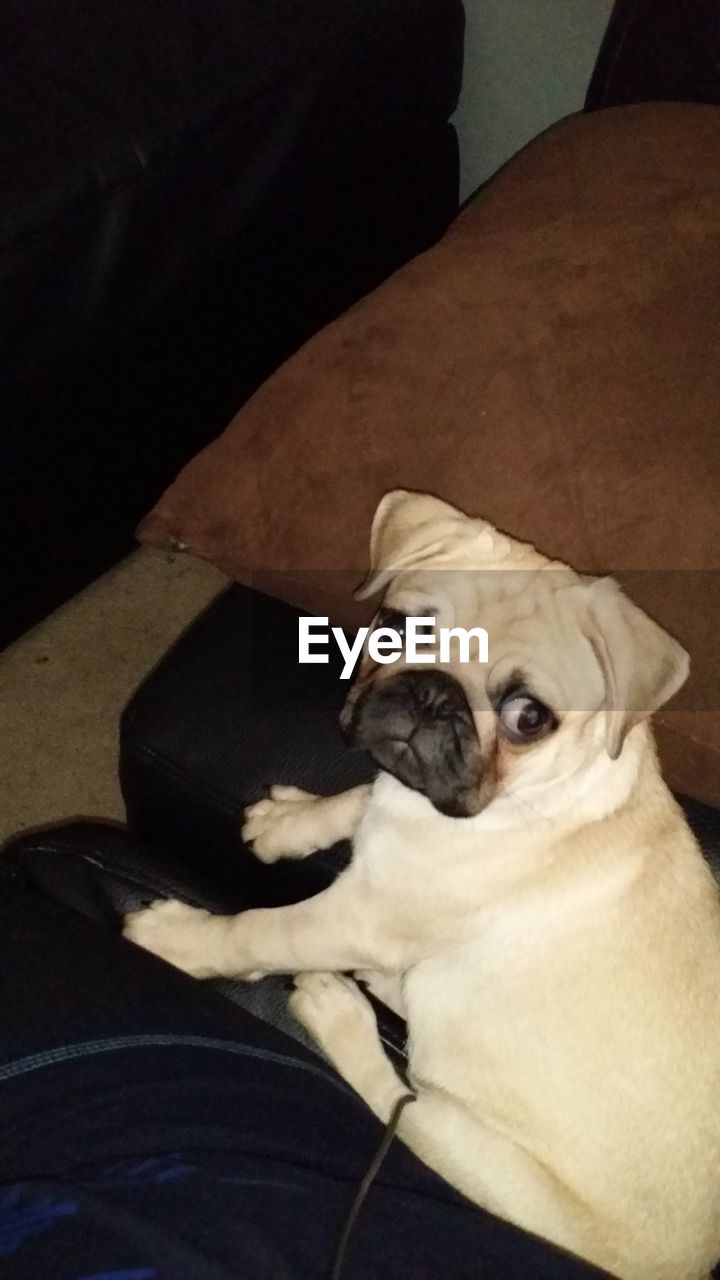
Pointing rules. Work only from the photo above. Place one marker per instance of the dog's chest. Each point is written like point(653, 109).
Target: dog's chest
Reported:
point(412, 860)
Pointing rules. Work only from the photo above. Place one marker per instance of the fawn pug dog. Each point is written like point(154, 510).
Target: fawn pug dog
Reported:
point(529, 896)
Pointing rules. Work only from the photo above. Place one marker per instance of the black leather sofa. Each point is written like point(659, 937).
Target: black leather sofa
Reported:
point(188, 192)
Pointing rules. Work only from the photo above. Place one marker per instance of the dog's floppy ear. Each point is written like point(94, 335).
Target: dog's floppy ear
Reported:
point(408, 530)
point(642, 665)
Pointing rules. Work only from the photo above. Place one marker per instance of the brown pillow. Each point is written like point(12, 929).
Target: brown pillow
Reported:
point(553, 364)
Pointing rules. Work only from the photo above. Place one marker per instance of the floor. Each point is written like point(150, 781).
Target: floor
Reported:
point(64, 684)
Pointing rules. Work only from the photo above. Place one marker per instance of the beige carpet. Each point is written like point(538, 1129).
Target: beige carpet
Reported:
point(64, 684)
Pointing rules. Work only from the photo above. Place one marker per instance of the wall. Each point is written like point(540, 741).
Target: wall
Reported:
point(527, 63)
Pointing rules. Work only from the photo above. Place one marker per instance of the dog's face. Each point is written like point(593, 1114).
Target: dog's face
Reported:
point(573, 665)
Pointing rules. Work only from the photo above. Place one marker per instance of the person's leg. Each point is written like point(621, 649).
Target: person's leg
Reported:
point(102, 872)
point(147, 1126)
point(131, 1096)
point(67, 978)
point(150, 1129)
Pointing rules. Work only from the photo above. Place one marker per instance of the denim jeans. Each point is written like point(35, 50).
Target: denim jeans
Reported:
point(151, 1130)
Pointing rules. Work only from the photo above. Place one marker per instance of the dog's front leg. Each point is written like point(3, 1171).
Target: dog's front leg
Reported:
point(290, 823)
point(342, 1022)
point(335, 930)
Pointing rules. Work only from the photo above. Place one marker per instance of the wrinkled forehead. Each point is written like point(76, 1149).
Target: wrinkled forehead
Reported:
point(459, 594)
point(533, 622)
point(548, 647)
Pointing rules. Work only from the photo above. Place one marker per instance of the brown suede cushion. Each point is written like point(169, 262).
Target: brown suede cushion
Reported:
point(553, 364)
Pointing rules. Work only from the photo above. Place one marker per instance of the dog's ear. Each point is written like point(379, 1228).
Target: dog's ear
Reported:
point(642, 665)
point(408, 530)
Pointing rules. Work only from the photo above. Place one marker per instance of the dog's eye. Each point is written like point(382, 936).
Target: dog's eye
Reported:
point(523, 718)
point(393, 619)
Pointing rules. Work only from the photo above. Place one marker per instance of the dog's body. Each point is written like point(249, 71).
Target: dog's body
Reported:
point(540, 910)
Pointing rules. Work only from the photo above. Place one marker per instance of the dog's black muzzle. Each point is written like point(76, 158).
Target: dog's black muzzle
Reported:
point(418, 726)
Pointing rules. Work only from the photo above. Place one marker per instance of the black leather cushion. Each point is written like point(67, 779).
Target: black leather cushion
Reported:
point(228, 712)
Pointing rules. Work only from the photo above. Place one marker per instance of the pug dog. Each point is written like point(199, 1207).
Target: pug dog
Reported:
point(525, 891)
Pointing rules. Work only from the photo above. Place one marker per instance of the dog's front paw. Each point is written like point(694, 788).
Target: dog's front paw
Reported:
point(283, 825)
point(334, 1010)
point(185, 936)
